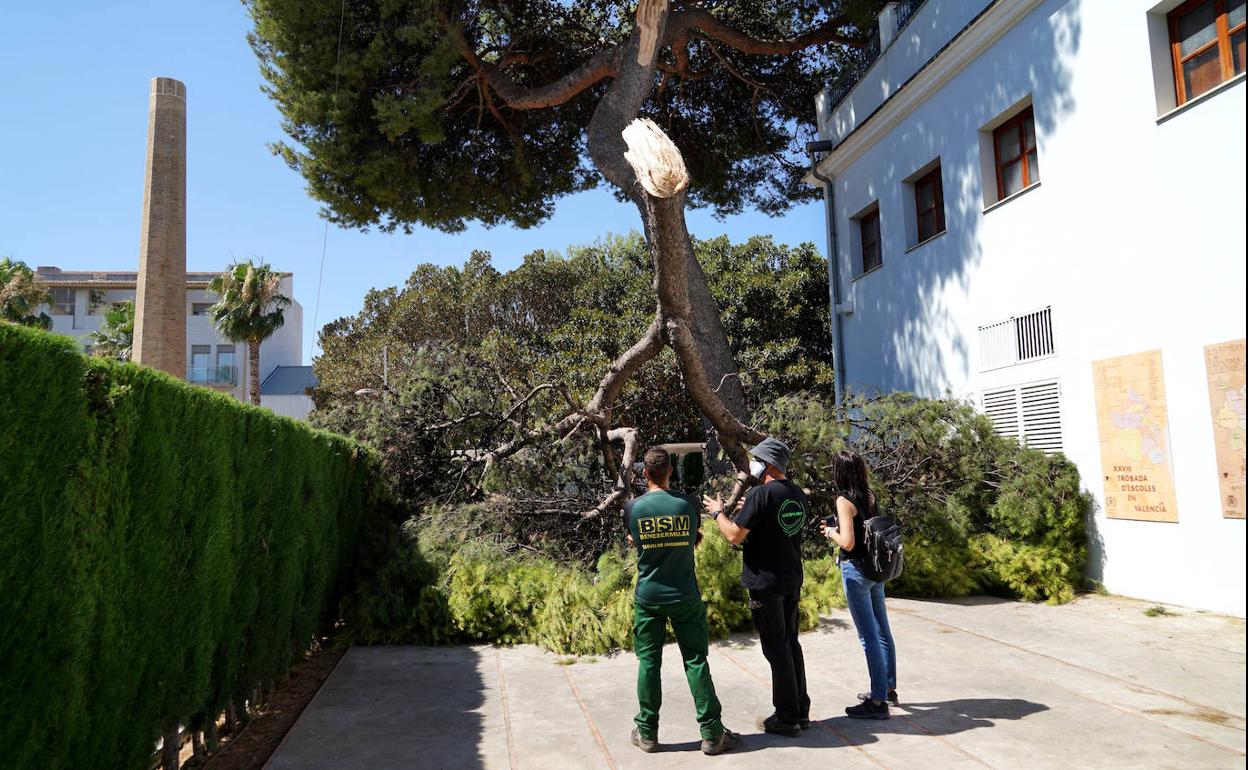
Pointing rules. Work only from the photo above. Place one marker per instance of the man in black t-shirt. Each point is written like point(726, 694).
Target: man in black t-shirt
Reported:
point(770, 525)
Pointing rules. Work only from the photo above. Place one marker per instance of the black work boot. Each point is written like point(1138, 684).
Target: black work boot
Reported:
point(868, 709)
point(773, 725)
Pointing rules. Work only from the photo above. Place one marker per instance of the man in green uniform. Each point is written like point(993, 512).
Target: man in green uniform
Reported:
point(663, 526)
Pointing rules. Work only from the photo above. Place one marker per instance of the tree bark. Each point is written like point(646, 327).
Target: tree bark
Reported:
point(618, 107)
point(253, 370)
point(687, 317)
point(171, 747)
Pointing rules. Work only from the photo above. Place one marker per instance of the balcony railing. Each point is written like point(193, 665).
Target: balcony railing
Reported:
point(212, 375)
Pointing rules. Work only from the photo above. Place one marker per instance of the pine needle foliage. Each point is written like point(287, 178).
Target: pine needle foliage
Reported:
point(445, 587)
point(981, 513)
point(164, 550)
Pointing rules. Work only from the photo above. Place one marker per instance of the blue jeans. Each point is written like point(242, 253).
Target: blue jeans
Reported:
point(866, 605)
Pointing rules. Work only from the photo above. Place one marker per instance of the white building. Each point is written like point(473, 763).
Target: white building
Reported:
point(81, 297)
point(1039, 205)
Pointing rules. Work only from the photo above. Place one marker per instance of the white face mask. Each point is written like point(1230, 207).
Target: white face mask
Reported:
point(757, 469)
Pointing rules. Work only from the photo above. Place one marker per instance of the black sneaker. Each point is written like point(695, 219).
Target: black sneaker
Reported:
point(803, 724)
point(726, 742)
point(773, 725)
point(868, 709)
point(648, 745)
point(892, 696)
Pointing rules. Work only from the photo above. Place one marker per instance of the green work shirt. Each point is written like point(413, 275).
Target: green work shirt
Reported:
point(664, 526)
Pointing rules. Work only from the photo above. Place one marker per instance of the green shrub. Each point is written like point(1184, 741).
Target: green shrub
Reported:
point(937, 570)
point(1028, 572)
point(487, 594)
point(164, 550)
point(980, 513)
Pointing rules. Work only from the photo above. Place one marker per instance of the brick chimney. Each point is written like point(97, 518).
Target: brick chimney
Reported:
point(160, 302)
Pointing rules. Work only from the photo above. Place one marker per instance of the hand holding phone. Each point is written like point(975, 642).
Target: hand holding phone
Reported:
point(830, 525)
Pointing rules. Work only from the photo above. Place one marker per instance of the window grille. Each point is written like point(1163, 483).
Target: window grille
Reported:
point(1032, 414)
point(1016, 340)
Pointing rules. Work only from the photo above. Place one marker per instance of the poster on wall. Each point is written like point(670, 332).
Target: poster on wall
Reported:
point(1135, 437)
point(1224, 363)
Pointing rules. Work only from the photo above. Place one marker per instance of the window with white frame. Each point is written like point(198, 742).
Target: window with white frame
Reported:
point(1031, 413)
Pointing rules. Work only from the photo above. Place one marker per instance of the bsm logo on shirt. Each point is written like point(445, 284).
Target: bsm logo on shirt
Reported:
point(654, 525)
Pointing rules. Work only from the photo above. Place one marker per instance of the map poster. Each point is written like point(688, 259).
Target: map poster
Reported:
point(1135, 437)
point(1224, 364)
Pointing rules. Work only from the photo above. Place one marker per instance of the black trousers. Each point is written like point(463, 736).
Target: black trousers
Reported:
point(775, 619)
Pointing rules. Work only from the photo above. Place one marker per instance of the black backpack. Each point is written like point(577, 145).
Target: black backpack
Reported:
point(884, 560)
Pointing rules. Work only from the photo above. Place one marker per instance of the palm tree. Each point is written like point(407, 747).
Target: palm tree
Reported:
point(115, 337)
point(249, 308)
point(21, 295)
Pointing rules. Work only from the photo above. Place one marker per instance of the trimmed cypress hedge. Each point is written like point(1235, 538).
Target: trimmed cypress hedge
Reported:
point(164, 550)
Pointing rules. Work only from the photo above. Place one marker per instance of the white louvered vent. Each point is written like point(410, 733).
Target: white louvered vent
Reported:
point(1030, 413)
point(1001, 406)
point(1015, 340)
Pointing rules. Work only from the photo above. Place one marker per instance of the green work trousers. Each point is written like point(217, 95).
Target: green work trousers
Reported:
point(649, 630)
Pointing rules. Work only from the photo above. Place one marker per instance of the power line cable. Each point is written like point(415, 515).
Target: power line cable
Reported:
point(320, 278)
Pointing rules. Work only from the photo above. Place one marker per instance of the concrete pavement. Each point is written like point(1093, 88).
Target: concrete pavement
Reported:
point(983, 683)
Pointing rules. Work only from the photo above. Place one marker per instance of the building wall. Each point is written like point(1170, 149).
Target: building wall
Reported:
point(1135, 237)
point(284, 348)
point(297, 407)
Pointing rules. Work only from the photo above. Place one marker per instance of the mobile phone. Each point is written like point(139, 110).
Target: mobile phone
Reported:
point(831, 523)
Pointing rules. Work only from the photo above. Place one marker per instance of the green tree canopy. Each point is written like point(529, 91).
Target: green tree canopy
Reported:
point(436, 113)
point(410, 112)
point(562, 318)
point(21, 295)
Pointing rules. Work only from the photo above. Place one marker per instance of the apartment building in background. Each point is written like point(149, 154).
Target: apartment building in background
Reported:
point(1039, 205)
point(80, 298)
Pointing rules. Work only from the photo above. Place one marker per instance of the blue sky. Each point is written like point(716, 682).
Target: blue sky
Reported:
point(73, 96)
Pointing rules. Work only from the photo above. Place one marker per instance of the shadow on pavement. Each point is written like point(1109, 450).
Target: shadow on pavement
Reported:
point(814, 738)
point(943, 717)
point(832, 624)
point(936, 718)
point(393, 707)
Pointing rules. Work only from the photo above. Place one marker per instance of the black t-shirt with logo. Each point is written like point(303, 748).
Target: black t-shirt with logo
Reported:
point(775, 514)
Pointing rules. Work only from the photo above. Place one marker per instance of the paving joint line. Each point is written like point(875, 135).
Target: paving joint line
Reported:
point(1129, 712)
point(911, 721)
point(576, 693)
point(306, 708)
point(502, 685)
point(1055, 659)
point(829, 728)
